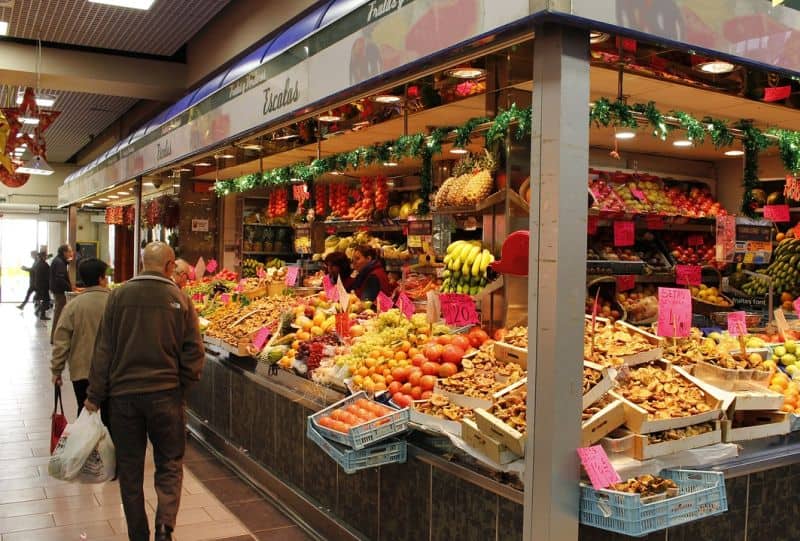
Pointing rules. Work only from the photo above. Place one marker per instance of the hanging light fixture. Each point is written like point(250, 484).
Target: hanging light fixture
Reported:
point(465, 72)
point(42, 100)
point(36, 166)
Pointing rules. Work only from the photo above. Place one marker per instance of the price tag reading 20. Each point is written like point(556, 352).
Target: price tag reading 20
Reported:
point(458, 309)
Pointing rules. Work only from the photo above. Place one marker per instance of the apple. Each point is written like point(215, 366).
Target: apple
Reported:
point(779, 351)
point(791, 346)
point(788, 359)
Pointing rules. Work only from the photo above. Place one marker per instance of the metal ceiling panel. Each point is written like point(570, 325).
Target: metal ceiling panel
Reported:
point(338, 9)
point(161, 30)
point(211, 86)
point(245, 65)
point(299, 30)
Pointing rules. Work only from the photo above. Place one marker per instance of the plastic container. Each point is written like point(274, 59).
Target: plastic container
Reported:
point(390, 452)
point(365, 434)
point(701, 494)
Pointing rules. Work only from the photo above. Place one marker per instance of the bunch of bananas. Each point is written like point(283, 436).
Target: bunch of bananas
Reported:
point(250, 267)
point(466, 263)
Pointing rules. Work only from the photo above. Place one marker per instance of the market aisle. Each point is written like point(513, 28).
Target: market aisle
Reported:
point(34, 507)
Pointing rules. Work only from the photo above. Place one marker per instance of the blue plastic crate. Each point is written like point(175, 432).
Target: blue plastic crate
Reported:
point(391, 452)
point(365, 434)
point(701, 494)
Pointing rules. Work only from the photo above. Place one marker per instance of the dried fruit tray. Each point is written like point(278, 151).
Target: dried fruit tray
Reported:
point(364, 434)
point(701, 494)
point(390, 452)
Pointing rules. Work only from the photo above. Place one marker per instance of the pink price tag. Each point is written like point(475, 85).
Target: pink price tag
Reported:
point(384, 302)
point(261, 337)
point(625, 282)
point(197, 297)
point(291, 275)
point(592, 225)
point(654, 222)
point(211, 266)
point(737, 325)
point(623, 233)
point(343, 323)
point(225, 298)
point(674, 312)
point(638, 194)
point(330, 290)
point(405, 305)
point(598, 467)
point(240, 286)
point(261, 273)
point(458, 309)
point(777, 93)
point(688, 275)
point(796, 305)
point(695, 240)
point(777, 213)
point(299, 192)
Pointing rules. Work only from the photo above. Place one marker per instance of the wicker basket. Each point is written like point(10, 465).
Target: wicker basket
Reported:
point(707, 308)
point(609, 283)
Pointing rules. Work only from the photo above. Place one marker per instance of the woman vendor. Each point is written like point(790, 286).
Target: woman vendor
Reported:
point(371, 277)
point(338, 265)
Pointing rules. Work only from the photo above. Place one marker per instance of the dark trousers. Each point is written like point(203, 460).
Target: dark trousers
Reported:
point(60, 303)
point(31, 291)
point(160, 417)
point(81, 387)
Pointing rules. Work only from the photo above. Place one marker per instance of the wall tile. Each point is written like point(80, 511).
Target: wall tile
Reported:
point(220, 415)
point(290, 436)
point(405, 501)
point(243, 410)
point(456, 499)
point(358, 500)
point(264, 423)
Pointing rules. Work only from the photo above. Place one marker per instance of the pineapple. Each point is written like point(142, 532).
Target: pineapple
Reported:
point(442, 196)
point(480, 184)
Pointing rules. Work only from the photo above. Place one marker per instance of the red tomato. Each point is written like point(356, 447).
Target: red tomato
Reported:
point(499, 334)
point(447, 370)
point(402, 400)
point(452, 354)
point(426, 395)
point(413, 379)
point(461, 341)
point(430, 368)
point(427, 382)
point(433, 352)
point(400, 374)
point(394, 387)
point(406, 388)
point(444, 339)
point(477, 337)
point(418, 359)
point(416, 393)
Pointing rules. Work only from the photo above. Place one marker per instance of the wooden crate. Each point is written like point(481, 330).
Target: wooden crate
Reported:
point(494, 428)
point(506, 353)
point(602, 423)
point(602, 387)
point(758, 424)
point(642, 449)
point(489, 446)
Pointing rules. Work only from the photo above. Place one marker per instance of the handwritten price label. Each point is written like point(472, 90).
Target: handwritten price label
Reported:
point(225, 298)
point(405, 305)
point(261, 273)
point(625, 282)
point(654, 222)
point(433, 310)
point(291, 275)
point(261, 337)
point(197, 297)
point(211, 266)
point(623, 233)
point(674, 312)
point(330, 290)
point(342, 323)
point(384, 302)
point(458, 309)
point(777, 213)
point(598, 467)
point(592, 225)
point(688, 275)
point(737, 325)
point(240, 285)
point(796, 306)
point(695, 240)
point(777, 93)
point(638, 194)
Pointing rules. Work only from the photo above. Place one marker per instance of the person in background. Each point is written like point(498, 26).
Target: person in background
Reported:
point(338, 265)
point(371, 277)
point(181, 274)
point(41, 279)
point(148, 352)
point(31, 279)
point(73, 341)
point(79, 257)
point(60, 282)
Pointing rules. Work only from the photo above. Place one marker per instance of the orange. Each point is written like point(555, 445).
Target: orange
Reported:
point(371, 362)
point(405, 346)
point(412, 351)
point(400, 355)
point(375, 353)
point(363, 371)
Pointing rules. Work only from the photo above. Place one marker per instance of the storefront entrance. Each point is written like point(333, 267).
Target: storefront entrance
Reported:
point(17, 239)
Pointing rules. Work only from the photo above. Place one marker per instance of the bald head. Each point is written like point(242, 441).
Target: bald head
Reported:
point(157, 257)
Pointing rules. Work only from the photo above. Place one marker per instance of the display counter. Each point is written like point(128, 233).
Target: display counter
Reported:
point(257, 424)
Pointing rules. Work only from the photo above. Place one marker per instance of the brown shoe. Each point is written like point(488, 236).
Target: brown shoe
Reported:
point(163, 533)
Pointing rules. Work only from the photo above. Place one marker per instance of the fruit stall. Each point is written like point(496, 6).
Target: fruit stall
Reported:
point(663, 238)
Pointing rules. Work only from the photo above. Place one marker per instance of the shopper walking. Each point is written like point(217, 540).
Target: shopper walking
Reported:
point(41, 281)
point(31, 282)
point(147, 354)
point(73, 341)
point(60, 282)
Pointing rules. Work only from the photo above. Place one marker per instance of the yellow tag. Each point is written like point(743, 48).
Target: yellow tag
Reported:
point(749, 257)
point(777, 2)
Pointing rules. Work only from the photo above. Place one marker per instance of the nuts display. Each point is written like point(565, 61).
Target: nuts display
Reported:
point(440, 406)
point(662, 392)
point(512, 409)
point(681, 433)
point(233, 322)
point(611, 342)
point(595, 408)
point(517, 336)
point(647, 485)
point(478, 379)
point(591, 377)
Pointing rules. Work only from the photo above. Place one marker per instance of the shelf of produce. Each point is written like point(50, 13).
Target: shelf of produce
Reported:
point(283, 226)
point(246, 252)
point(353, 226)
point(497, 198)
point(695, 226)
point(655, 278)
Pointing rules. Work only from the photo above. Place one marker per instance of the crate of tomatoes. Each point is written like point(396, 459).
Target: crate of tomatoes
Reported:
point(358, 422)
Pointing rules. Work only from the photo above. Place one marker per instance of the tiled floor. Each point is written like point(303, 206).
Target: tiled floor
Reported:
point(33, 507)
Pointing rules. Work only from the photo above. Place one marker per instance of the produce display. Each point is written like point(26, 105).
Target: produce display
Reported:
point(784, 270)
point(591, 377)
point(698, 254)
point(471, 182)
point(512, 409)
point(233, 322)
point(517, 336)
point(640, 303)
point(662, 392)
point(278, 206)
point(346, 418)
point(710, 295)
point(597, 407)
point(646, 485)
point(441, 406)
point(606, 308)
point(274, 269)
point(466, 265)
point(674, 434)
point(479, 378)
point(789, 388)
point(611, 342)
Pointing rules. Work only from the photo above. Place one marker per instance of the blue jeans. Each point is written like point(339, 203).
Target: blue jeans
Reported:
point(160, 417)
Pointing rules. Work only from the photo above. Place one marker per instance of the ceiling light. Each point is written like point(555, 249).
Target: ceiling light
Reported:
point(390, 164)
point(113, 197)
point(149, 185)
point(132, 4)
point(182, 170)
point(176, 185)
point(330, 117)
point(104, 199)
point(36, 166)
point(224, 156)
point(625, 134)
point(96, 201)
point(123, 193)
point(459, 151)
point(295, 180)
point(337, 173)
point(3, 28)
point(734, 152)
point(716, 67)
point(598, 37)
point(465, 72)
point(32, 120)
point(386, 98)
point(20, 134)
point(361, 125)
point(284, 135)
point(203, 164)
point(251, 146)
point(88, 204)
point(42, 100)
point(682, 143)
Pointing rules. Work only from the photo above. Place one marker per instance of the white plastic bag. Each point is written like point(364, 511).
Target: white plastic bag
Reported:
point(75, 445)
point(101, 464)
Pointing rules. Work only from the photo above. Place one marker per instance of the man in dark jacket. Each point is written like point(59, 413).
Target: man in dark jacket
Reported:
point(60, 282)
point(41, 283)
point(31, 283)
point(147, 353)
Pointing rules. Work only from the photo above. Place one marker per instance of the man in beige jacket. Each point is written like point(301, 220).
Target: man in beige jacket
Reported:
point(74, 336)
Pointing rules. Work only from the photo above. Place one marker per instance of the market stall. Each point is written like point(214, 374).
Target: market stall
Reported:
point(505, 184)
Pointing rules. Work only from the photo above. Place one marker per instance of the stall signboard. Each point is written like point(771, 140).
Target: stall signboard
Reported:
point(419, 231)
point(726, 238)
point(372, 40)
point(199, 225)
point(753, 241)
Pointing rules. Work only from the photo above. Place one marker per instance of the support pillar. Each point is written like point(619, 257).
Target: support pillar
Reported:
point(72, 239)
point(137, 224)
point(557, 281)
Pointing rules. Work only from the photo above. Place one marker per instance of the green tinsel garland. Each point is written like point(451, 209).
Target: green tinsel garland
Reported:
point(654, 117)
point(695, 130)
point(753, 141)
point(721, 135)
point(789, 147)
